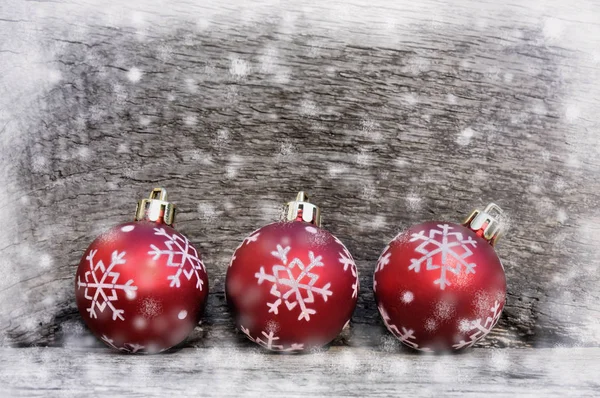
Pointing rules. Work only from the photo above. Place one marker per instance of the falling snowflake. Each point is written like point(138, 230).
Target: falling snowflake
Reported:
point(270, 340)
point(103, 292)
point(249, 239)
point(403, 334)
point(481, 329)
point(127, 347)
point(181, 255)
point(446, 247)
point(283, 275)
point(347, 260)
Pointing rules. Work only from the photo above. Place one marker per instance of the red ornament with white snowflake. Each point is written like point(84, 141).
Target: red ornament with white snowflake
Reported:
point(291, 285)
point(141, 287)
point(440, 286)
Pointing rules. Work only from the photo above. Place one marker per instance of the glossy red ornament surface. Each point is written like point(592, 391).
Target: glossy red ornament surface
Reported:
point(141, 287)
point(292, 286)
point(439, 286)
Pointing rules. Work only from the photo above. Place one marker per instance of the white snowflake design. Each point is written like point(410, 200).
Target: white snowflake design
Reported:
point(347, 260)
point(127, 347)
point(479, 329)
point(283, 275)
point(103, 292)
point(253, 237)
point(403, 334)
point(270, 340)
point(446, 247)
point(181, 255)
point(384, 259)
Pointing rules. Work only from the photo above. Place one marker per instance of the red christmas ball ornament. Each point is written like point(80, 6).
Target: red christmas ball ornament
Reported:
point(141, 287)
point(440, 286)
point(291, 285)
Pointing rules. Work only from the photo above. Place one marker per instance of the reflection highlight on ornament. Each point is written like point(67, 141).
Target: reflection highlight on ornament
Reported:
point(127, 228)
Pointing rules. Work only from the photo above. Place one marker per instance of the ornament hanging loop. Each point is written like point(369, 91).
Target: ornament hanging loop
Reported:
point(486, 223)
point(156, 208)
point(302, 210)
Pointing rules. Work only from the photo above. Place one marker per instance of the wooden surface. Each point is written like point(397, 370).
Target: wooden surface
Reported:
point(48, 372)
point(388, 113)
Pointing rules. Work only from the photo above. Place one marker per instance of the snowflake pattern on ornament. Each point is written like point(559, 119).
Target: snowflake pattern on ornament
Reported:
point(103, 292)
point(249, 239)
point(303, 283)
point(181, 255)
point(347, 260)
point(480, 329)
point(444, 243)
point(404, 335)
point(127, 347)
point(270, 340)
point(384, 259)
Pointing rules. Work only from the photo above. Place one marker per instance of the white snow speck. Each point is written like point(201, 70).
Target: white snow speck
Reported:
point(127, 228)
point(336, 169)
point(83, 153)
point(500, 360)
point(239, 68)
point(139, 323)
point(144, 121)
point(273, 326)
point(465, 325)
point(308, 108)
point(561, 216)
point(235, 163)
point(182, 314)
point(190, 86)
point(401, 162)
point(444, 310)
point(190, 120)
point(378, 222)
point(49, 301)
point(311, 230)
point(410, 99)
point(368, 192)
point(464, 137)
point(573, 161)
point(134, 75)
point(268, 60)
point(363, 158)
point(46, 261)
point(207, 212)
point(54, 76)
point(408, 297)
point(222, 138)
point(430, 324)
point(572, 113)
point(413, 201)
point(553, 28)
point(286, 150)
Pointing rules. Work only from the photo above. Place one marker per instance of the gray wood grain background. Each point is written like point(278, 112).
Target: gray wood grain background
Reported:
point(339, 372)
point(388, 113)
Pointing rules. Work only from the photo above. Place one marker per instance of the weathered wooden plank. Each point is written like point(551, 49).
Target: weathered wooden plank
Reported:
point(388, 114)
point(337, 372)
